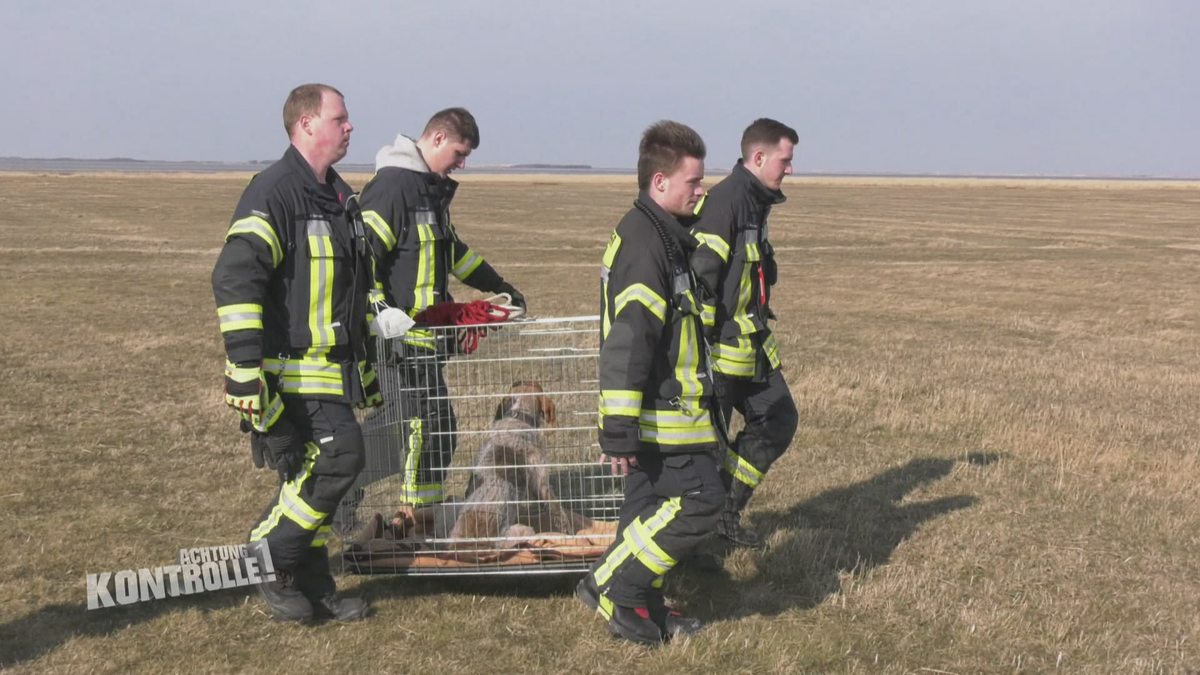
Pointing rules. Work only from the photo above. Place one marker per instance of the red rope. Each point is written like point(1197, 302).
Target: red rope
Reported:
point(464, 314)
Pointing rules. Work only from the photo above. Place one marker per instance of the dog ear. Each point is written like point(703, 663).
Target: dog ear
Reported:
point(506, 404)
point(548, 410)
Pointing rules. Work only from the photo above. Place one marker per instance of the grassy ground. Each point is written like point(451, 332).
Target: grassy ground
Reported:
point(996, 468)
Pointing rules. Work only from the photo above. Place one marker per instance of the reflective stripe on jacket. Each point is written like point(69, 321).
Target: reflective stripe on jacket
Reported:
point(735, 263)
point(654, 385)
point(293, 277)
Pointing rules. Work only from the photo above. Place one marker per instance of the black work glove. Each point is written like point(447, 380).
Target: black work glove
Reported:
point(281, 449)
point(517, 298)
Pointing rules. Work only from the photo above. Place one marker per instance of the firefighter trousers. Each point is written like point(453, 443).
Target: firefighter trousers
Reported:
point(414, 432)
point(672, 502)
point(298, 519)
point(770, 423)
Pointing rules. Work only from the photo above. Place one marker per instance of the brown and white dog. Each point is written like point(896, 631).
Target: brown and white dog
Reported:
point(509, 494)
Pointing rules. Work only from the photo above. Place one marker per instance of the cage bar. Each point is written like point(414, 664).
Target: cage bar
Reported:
point(483, 460)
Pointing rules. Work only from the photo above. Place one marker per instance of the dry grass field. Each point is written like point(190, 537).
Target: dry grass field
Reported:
point(997, 468)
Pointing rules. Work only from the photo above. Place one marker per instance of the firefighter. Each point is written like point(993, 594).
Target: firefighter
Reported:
point(406, 207)
point(656, 421)
point(291, 286)
point(735, 265)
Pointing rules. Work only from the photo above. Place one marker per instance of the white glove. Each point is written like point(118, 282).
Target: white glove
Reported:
point(391, 323)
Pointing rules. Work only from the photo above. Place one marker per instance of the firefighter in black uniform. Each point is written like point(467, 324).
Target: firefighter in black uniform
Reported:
point(656, 422)
point(291, 286)
point(406, 207)
point(735, 265)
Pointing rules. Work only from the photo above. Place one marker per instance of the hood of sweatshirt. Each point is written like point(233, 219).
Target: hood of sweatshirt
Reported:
point(402, 154)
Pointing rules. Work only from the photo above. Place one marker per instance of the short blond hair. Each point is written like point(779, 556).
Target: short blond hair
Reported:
point(304, 100)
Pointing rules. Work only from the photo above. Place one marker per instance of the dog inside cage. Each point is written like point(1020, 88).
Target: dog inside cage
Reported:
point(483, 457)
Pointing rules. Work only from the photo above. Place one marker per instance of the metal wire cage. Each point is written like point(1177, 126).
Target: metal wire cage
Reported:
point(484, 457)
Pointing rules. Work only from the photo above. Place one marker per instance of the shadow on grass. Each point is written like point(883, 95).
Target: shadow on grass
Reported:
point(848, 529)
point(48, 628)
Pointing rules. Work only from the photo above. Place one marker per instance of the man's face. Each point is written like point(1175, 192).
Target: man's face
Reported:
point(775, 163)
point(331, 128)
point(447, 154)
point(680, 191)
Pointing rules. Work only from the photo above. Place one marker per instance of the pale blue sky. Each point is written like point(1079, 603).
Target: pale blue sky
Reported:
point(1094, 87)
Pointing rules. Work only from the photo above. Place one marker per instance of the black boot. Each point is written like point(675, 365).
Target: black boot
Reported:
point(632, 623)
point(317, 584)
point(672, 623)
point(730, 524)
point(283, 596)
point(587, 591)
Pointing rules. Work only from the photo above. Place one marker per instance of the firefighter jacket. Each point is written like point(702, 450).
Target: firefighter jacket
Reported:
point(407, 211)
point(735, 268)
point(655, 389)
point(292, 282)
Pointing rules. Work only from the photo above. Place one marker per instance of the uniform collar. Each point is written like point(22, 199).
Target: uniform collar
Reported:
point(334, 188)
point(761, 193)
point(686, 241)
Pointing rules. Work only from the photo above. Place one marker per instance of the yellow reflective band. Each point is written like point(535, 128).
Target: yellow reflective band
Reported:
point(714, 242)
point(368, 374)
point(605, 607)
point(466, 264)
point(610, 252)
point(739, 312)
point(675, 418)
point(420, 338)
point(375, 295)
point(240, 317)
point(614, 560)
point(620, 402)
point(645, 550)
point(742, 470)
point(290, 505)
point(381, 229)
point(322, 536)
point(665, 514)
point(320, 301)
point(673, 437)
point(687, 368)
point(426, 267)
point(260, 228)
point(642, 293)
point(733, 369)
point(771, 347)
point(423, 494)
point(418, 494)
point(752, 254)
point(734, 360)
point(294, 506)
point(271, 414)
point(264, 528)
point(657, 583)
point(678, 434)
point(708, 315)
point(610, 257)
point(306, 375)
point(700, 204)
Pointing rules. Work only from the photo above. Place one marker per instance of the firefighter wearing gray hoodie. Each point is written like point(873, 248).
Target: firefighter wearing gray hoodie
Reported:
point(406, 207)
